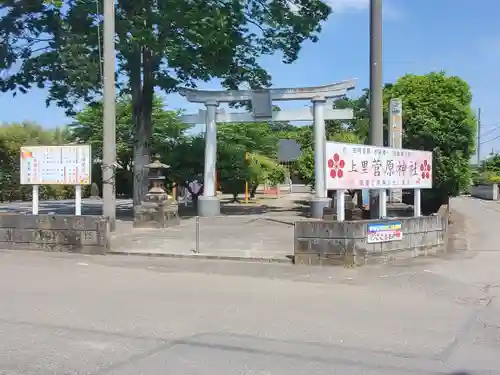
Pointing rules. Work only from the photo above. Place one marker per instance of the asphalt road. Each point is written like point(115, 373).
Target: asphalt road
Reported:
point(67, 314)
point(73, 314)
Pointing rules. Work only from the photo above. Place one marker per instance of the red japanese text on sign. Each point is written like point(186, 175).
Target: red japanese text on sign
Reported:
point(352, 166)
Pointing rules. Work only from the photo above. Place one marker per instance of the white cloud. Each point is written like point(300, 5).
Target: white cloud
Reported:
point(344, 6)
point(340, 6)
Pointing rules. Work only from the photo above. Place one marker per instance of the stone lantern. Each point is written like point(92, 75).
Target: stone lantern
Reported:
point(156, 210)
point(157, 190)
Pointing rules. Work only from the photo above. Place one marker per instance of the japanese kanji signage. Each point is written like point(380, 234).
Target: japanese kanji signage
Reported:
point(56, 165)
point(352, 166)
point(384, 232)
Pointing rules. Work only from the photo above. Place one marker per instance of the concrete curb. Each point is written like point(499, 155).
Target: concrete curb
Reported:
point(204, 256)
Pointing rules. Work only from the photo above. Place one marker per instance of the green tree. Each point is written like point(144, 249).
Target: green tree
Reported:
point(160, 44)
point(491, 164)
point(232, 168)
point(257, 137)
point(186, 161)
point(438, 117)
point(488, 171)
point(247, 153)
point(360, 124)
point(182, 152)
point(263, 169)
point(87, 128)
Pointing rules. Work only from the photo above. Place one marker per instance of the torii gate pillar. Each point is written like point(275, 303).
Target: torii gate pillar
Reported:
point(209, 204)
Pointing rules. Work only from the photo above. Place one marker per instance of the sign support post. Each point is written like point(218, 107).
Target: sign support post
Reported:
point(417, 203)
point(382, 209)
point(340, 197)
point(34, 200)
point(78, 200)
point(246, 181)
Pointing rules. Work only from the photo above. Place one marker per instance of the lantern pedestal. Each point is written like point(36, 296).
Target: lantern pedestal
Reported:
point(156, 214)
point(157, 210)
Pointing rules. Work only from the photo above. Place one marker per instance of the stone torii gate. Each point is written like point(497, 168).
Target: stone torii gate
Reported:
point(262, 107)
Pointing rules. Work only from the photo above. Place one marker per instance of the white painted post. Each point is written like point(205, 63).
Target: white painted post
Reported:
point(210, 150)
point(382, 203)
point(34, 200)
point(78, 200)
point(417, 203)
point(340, 197)
point(325, 164)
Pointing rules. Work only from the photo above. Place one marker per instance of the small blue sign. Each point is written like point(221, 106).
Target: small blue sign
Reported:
point(381, 227)
point(384, 232)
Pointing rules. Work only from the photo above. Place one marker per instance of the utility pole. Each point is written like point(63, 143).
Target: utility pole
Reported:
point(376, 93)
point(109, 127)
point(479, 137)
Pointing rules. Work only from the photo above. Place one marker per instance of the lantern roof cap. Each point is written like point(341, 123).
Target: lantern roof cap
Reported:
point(157, 164)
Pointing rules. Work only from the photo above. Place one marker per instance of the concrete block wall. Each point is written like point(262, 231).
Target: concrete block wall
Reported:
point(489, 192)
point(345, 243)
point(82, 234)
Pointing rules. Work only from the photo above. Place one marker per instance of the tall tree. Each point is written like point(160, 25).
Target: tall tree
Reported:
point(186, 161)
point(258, 137)
point(87, 127)
point(488, 172)
point(437, 116)
point(360, 124)
point(160, 44)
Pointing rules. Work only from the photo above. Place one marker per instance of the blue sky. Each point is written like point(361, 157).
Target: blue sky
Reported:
point(461, 37)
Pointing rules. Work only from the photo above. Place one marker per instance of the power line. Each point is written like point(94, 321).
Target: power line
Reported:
point(489, 140)
point(492, 124)
point(490, 131)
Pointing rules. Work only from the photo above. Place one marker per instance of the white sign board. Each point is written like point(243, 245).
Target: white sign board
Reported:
point(56, 165)
point(353, 166)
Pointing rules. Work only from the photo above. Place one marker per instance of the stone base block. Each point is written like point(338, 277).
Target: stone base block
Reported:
point(156, 214)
